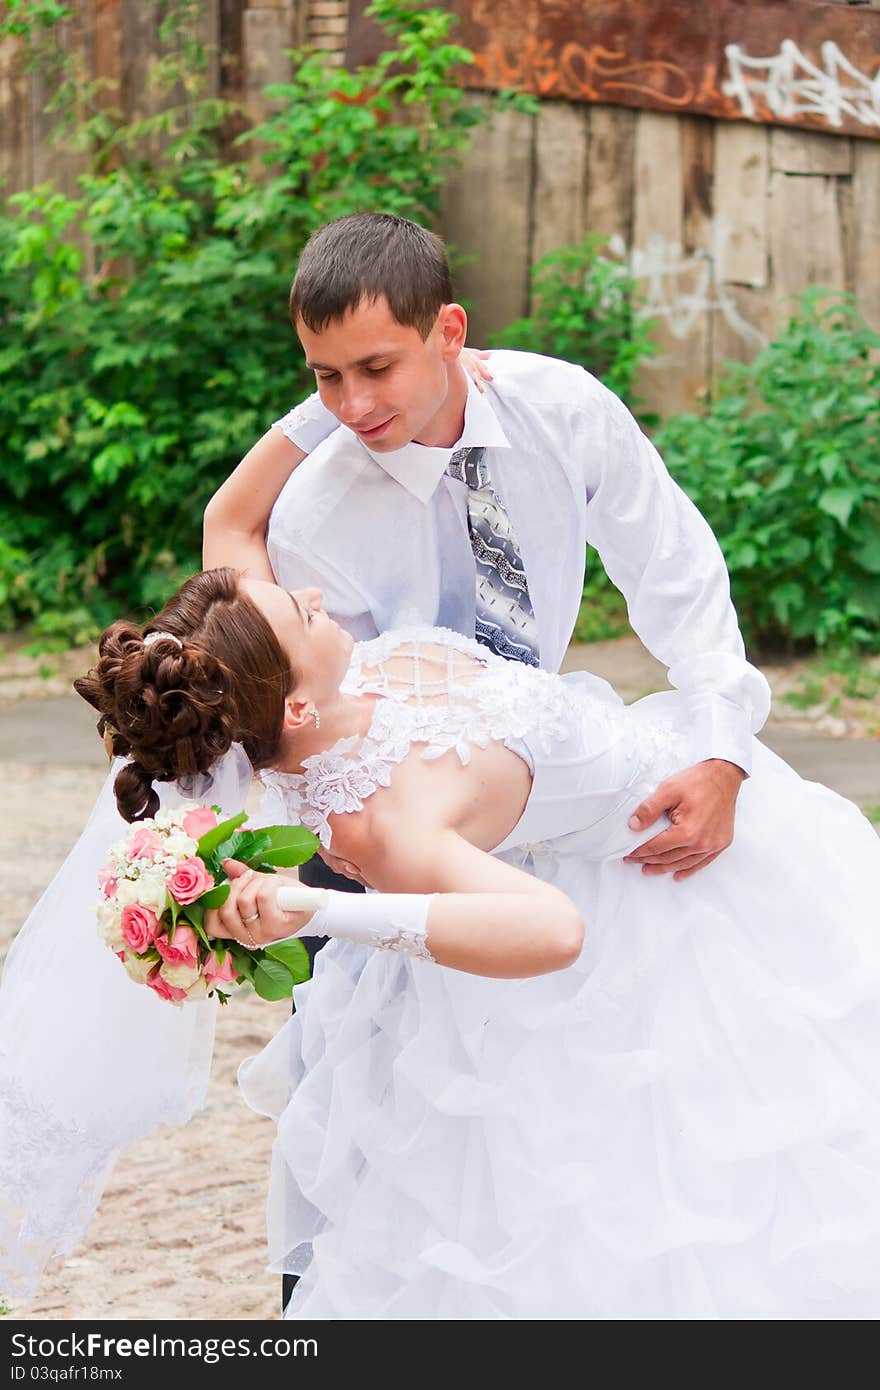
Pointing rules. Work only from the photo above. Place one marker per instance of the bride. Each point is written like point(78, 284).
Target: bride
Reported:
point(527, 1081)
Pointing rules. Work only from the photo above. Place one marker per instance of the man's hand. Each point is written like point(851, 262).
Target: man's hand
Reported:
point(701, 803)
point(343, 866)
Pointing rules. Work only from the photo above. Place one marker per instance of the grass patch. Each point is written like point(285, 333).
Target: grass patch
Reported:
point(811, 692)
point(873, 814)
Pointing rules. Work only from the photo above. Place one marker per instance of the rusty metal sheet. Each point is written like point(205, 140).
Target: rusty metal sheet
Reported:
point(798, 63)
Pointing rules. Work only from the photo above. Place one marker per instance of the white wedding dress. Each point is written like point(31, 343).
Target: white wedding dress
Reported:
point(683, 1124)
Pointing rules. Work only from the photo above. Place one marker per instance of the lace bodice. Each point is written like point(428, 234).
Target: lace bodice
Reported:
point(442, 691)
point(435, 688)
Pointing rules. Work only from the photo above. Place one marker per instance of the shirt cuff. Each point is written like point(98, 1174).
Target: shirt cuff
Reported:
point(721, 729)
point(308, 424)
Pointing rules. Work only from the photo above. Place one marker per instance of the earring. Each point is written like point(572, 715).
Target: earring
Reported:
point(317, 718)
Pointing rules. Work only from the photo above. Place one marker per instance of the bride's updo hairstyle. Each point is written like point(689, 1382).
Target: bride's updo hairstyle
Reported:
point(175, 709)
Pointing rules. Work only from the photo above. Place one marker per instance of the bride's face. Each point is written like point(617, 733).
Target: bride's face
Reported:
point(318, 648)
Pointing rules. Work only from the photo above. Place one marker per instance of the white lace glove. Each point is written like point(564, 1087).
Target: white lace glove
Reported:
point(385, 921)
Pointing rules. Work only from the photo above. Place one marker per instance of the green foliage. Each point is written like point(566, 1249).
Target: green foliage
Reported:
point(133, 378)
point(585, 309)
point(602, 615)
point(785, 466)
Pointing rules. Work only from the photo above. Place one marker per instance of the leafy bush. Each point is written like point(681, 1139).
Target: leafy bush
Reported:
point(584, 310)
point(133, 379)
point(785, 466)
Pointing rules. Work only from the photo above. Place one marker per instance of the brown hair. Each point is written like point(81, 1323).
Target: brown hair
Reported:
point(365, 256)
point(176, 710)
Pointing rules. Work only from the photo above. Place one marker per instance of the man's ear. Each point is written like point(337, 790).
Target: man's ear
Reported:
point(452, 330)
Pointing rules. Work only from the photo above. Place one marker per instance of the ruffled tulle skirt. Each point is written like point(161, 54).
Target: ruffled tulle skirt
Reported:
point(684, 1124)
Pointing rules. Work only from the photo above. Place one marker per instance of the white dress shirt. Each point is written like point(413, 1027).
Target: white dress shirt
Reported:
point(385, 536)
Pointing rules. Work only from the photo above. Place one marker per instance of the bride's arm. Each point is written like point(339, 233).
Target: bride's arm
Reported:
point(486, 917)
point(475, 913)
point(237, 515)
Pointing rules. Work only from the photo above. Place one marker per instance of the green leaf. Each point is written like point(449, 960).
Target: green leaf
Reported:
point(212, 838)
point(272, 980)
point(839, 502)
point(216, 897)
point(250, 844)
point(290, 845)
point(867, 555)
point(242, 961)
point(294, 956)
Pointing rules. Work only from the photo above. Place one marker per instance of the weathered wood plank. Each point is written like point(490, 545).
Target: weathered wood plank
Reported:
point(208, 34)
point(610, 166)
point(106, 51)
point(740, 201)
point(486, 218)
point(866, 229)
point(53, 159)
point(266, 33)
point(806, 242)
point(809, 152)
point(697, 159)
point(675, 283)
point(16, 150)
point(741, 325)
point(560, 177)
point(140, 50)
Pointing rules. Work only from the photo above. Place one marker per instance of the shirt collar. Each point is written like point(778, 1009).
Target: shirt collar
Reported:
point(419, 468)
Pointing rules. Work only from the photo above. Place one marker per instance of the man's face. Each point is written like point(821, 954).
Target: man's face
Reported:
point(382, 380)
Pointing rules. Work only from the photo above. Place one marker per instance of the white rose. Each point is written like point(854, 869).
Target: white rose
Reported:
point(127, 892)
point(179, 845)
point(110, 921)
point(147, 890)
point(139, 970)
point(199, 989)
point(180, 976)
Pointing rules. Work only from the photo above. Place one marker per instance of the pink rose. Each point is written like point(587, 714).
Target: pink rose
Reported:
point(166, 991)
point(182, 950)
point(189, 880)
point(215, 973)
point(198, 822)
point(139, 927)
point(145, 844)
point(107, 882)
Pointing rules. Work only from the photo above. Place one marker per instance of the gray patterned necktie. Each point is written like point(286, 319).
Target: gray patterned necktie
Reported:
point(505, 620)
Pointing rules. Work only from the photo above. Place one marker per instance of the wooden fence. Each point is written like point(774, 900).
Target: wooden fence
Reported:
point(723, 212)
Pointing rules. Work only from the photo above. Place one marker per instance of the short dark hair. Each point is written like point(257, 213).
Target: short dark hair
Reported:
point(367, 255)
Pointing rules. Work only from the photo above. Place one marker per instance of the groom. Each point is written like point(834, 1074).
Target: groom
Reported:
point(435, 503)
point(408, 496)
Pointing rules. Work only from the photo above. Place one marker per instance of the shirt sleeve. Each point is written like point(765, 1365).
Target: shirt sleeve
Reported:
point(664, 558)
point(307, 424)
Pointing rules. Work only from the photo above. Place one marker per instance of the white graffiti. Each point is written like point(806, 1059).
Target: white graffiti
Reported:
point(792, 86)
point(679, 287)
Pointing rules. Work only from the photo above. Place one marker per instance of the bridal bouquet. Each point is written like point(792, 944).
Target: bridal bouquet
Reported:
point(161, 879)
